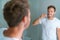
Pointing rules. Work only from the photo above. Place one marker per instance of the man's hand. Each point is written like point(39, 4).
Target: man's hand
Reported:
point(36, 22)
point(43, 15)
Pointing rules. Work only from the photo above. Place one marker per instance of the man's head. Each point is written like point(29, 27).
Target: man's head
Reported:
point(16, 13)
point(51, 11)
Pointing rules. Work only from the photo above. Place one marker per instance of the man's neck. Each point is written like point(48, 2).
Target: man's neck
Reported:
point(14, 32)
point(50, 18)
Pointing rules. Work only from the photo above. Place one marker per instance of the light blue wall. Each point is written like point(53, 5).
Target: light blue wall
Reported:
point(2, 21)
point(37, 7)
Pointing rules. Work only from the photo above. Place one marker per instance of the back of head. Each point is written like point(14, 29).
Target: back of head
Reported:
point(14, 11)
point(25, 2)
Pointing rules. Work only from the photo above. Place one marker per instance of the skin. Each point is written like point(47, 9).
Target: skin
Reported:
point(50, 15)
point(17, 32)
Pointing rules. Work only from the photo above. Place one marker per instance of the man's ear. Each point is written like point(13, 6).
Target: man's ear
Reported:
point(24, 20)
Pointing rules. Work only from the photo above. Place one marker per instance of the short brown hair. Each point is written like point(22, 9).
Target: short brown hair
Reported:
point(14, 11)
point(51, 6)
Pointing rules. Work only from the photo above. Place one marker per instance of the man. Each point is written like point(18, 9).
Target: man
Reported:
point(50, 24)
point(17, 15)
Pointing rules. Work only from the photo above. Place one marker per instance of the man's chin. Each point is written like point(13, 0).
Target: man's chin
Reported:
point(49, 16)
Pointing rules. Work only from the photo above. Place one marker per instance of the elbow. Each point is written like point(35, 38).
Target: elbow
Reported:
point(34, 24)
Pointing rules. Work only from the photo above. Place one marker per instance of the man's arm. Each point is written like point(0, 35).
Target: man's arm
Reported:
point(36, 22)
point(58, 33)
